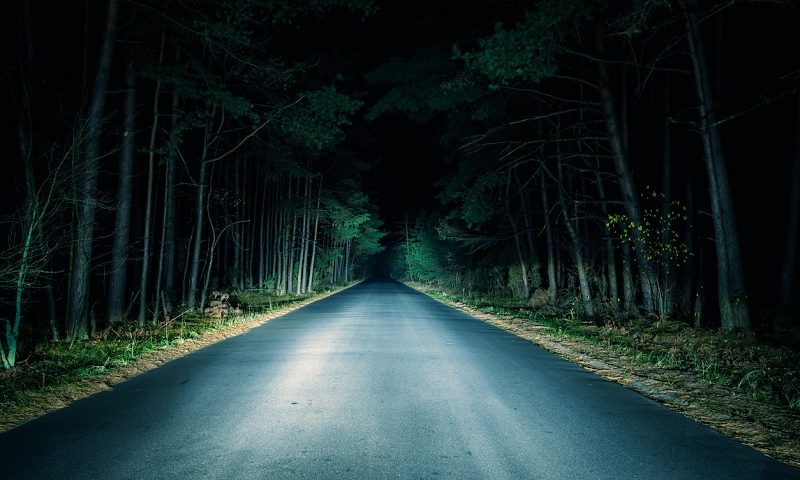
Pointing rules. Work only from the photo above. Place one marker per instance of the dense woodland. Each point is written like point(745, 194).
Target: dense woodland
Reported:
point(591, 146)
point(599, 160)
point(194, 152)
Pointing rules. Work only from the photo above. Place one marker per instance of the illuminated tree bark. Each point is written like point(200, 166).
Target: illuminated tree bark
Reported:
point(731, 292)
point(77, 321)
point(119, 252)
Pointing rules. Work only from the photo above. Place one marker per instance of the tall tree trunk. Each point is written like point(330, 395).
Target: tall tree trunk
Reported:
point(276, 236)
point(159, 273)
point(262, 241)
point(533, 252)
point(577, 247)
point(303, 257)
point(628, 287)
point(78, 299)
point(234, 269)
point(689, 283)
point(788, 292)
point(314, 242)
point(347, 262)
point(200, 195)
point(619, 154)
point(251, 258)
point(523, 264)
point(291, 246)
point(119, 251)
point(611, 264)
point(148, 211)
point(552, 282)
point(666, 291)
point(170, 225)
point(733, 300)
point(408, 252)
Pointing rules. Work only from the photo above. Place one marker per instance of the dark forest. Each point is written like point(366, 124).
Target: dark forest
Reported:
point(595, 166)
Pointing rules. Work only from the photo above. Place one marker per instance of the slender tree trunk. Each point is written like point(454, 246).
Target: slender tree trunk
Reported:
point(52, 315)
point(666, 292)
point(292, 249)
point(159, 273)
point(119, 250)
point(347, 262)
point(619, 155)
point(689, 284)
point(408, 251)
point(314, 242)
point(8, 356)
point(535, 261)
point(733, 300)
point(170, 224)
point(517, 246)
point(788, 292)
point(213, 240)
point(148, 212)
point(611, 264)
point(301, 272)
point(234, 268)
point(275, 248)
point(262, 241)
point(165, 227)
point(78, 298)
point(628, 287)
point(252, 226)
point(191, 294)
point(577, 247)
point(552, 283)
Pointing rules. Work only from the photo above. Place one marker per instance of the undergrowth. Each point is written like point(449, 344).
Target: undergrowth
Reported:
point(53, 364)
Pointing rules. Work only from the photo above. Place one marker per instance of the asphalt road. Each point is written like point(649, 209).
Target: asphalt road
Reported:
point(378, 381)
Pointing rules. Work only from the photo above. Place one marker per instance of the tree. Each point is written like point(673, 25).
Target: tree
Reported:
point(27, 259)
point(731, 291)
point(119, 251)
point(78, 300)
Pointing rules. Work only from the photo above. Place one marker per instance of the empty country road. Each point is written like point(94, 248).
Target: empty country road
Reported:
point(378, 381)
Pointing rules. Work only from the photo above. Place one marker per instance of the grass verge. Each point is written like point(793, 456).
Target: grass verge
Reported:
point(53, 375)
point(732, 382)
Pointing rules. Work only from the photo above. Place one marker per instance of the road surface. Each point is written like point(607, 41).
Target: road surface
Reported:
point(378, 381)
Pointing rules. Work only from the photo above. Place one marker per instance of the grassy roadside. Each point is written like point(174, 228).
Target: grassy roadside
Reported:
point(53, 375)
point(734, 383)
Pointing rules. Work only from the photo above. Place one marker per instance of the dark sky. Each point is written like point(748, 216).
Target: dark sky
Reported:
point(406, 158)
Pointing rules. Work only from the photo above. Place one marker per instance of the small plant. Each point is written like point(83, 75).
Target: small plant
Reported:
point(658, 240)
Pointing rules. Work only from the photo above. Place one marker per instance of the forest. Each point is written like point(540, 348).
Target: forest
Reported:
point(614, 159)
point(609, 164)
point(183, 155)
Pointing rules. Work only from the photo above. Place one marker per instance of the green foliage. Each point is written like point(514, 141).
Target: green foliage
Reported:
point(528, 50)
point(318, 121)
point(426, 256)
point(353, 218)
point(475, 194)
point(288, 11)
point(426, 84)
point(659, 237)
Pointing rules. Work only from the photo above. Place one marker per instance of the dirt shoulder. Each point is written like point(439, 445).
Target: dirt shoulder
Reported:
point(771, 429)
point(24, 404)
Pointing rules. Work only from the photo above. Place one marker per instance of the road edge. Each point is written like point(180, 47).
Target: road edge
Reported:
point(60, 396)
point(649, 387)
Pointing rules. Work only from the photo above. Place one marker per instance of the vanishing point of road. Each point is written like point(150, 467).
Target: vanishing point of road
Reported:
point(375, 382)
